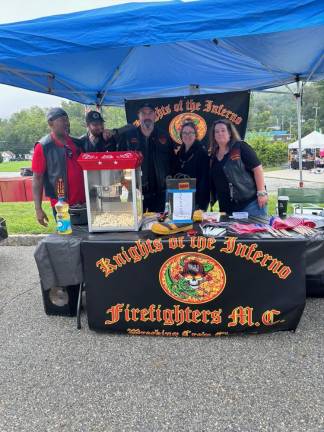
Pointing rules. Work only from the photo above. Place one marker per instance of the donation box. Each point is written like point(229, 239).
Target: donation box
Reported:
point(113, 188)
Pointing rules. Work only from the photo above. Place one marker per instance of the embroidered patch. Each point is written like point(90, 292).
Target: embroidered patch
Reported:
point(162, 139)
point(235, 154)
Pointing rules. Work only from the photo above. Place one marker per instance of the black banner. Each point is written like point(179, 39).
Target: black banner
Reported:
point(194, 286)
point(171, 113)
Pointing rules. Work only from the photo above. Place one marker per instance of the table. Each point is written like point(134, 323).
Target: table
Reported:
point(138, 283)
point(307, 165)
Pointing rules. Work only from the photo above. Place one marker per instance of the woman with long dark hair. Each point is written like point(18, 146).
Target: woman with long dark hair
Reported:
point(192, 160)
point(236, 173)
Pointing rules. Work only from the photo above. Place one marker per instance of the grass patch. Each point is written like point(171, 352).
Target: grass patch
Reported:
point(21, 219)
point(276, 168)
point(14, 166)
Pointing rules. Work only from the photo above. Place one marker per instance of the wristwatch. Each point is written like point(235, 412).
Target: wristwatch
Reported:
point(262, 193)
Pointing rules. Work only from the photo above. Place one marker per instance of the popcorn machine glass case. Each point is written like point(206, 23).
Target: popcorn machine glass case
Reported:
point(113, 190)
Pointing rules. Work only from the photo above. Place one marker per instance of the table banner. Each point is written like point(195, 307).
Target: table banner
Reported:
point(194, 286)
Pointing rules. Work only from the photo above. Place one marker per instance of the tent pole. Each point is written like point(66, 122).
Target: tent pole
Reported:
point(298, 106)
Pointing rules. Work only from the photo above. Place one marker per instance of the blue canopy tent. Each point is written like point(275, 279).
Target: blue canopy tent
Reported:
point(169, 48)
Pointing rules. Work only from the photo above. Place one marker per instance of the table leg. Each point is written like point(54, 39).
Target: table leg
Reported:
point(79, 306)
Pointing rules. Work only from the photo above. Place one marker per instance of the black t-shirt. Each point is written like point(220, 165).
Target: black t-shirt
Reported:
point(195, 164)
point(219, 180)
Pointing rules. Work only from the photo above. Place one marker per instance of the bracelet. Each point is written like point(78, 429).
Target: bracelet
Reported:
point(262, 193)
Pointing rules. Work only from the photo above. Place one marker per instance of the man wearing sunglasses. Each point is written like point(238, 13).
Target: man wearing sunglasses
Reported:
point(55, 157)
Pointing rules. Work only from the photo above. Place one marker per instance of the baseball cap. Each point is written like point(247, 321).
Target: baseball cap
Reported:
point(94, 116)
point(146, 105)
point(55, 113)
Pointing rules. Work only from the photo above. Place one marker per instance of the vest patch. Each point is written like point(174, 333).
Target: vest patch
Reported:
point(235, 154)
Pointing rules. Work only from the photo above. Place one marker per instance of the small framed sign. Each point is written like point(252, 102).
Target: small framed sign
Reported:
point(181, 198)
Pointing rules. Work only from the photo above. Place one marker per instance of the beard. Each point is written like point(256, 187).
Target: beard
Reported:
point(95, 132)
point(148, 123)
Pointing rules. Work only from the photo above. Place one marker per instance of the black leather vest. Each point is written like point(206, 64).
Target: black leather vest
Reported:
point(55, 166)
point(241, 182)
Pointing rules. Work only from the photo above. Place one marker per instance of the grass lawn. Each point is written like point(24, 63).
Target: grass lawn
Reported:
point(14, 166)
point(272, 204)
point(274, 168)
point(20, 218)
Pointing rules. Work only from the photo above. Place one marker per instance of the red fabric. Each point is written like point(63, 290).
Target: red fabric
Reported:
point(291, 222)
point(247, 228)
point(74, 171)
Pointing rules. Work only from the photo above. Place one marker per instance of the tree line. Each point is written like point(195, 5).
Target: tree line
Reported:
point(267, 110)
point(21, 131)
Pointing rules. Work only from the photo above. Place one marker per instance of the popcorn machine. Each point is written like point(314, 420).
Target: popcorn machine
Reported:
point(113, 188)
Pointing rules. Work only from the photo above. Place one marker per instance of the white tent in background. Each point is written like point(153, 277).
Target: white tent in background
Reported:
point(314, 140)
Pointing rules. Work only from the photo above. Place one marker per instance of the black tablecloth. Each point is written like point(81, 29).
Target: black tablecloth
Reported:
point(58, 257)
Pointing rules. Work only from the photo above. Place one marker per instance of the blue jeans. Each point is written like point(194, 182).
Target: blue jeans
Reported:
point(254, 210)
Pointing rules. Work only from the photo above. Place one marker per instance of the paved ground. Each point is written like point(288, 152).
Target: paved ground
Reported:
point(290, 178)
point(274, 179)
point(9, 174)
point(56, 378)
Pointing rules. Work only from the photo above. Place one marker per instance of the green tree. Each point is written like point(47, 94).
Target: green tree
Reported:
point(270, 153)
point(23, 129)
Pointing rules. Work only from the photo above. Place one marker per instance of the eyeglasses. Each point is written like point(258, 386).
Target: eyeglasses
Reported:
point(188, 133)
point(68, 151)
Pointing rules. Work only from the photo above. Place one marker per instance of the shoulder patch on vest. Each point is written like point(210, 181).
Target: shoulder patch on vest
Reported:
point(235, 154)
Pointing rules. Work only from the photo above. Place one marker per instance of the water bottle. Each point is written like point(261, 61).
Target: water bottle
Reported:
point(63, 221)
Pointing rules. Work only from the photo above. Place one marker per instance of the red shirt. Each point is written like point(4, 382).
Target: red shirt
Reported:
point(74, 171)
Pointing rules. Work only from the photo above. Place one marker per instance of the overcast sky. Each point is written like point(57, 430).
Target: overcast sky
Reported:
point(14, 99)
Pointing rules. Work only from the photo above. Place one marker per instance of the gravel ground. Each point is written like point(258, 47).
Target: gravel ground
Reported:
point(56, 378)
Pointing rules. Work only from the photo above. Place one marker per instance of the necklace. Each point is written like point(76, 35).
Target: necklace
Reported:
point(183, 162)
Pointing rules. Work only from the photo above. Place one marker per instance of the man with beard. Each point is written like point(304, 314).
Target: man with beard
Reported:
point(55, 159)
point(158, 154)
point(97, 138)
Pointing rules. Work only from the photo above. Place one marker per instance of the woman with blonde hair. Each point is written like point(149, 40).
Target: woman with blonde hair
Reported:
point(236, 174)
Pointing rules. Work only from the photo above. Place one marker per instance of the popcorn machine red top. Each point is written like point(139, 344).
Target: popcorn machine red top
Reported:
point(113, 188)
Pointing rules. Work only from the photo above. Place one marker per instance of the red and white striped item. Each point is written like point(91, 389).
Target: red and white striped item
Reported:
point(291, 222)
point(247, 228)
